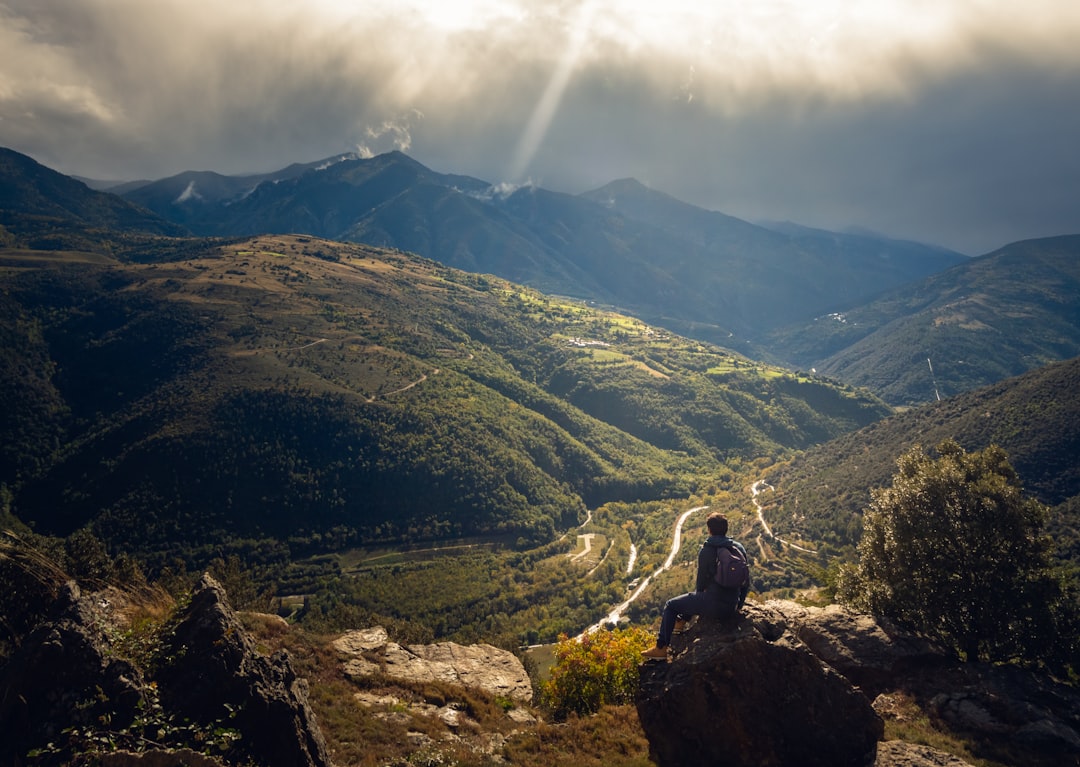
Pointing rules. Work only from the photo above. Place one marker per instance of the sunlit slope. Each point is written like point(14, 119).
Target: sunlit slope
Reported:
point(295, 388)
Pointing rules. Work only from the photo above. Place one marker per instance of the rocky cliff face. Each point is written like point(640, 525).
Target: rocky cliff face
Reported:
point(783, 684)
point(215, 674)
point(752, 694)
point(67, 696)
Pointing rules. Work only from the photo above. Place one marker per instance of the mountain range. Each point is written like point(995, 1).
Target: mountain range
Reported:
point(281, 387)
point(990, 318)
point(912, 322)
point(43, 209)
point(623, 244)
point(907, 320)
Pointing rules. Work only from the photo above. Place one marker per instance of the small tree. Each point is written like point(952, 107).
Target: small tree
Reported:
point(954, 551)
point(594, 670)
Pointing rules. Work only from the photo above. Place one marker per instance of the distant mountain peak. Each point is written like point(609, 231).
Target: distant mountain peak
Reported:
point(31, 193)
point(626, 184)
point(620, 187)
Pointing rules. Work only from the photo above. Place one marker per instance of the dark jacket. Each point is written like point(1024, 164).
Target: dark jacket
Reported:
point(706, 569)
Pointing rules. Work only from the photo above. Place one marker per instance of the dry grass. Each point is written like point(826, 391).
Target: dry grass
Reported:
point(37, 565)
point(610, 738)
point(361, 735)
point(906, 720)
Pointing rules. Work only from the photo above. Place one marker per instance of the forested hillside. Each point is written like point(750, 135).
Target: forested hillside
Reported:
point(820, 493)
point(313, 394)
point(991, 318)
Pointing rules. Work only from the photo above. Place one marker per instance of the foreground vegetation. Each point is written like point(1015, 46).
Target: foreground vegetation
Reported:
point(955, 552)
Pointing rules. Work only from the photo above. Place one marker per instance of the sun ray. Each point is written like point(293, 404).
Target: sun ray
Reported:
point(548, 105)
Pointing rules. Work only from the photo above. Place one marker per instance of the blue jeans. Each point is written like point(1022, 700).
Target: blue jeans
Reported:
point(707, 604)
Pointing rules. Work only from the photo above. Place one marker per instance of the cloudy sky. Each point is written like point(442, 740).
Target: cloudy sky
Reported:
point(950, 121)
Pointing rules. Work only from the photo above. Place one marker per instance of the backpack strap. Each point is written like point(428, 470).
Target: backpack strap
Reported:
point(729, 544)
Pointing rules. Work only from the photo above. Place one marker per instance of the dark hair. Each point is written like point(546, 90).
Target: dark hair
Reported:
point(717, 523)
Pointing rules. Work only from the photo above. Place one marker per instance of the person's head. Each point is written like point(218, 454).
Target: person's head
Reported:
point(717, 524)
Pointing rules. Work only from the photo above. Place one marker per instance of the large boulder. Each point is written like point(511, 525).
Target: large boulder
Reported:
point(749, 693)
point(871, 652)
point(984, 701)
point(368, 652)
point(754, 653)
point(214, 674)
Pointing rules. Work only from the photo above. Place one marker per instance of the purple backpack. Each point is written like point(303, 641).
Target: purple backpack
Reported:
point(732, 571)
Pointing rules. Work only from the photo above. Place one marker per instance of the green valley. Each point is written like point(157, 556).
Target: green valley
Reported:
point(279, 398)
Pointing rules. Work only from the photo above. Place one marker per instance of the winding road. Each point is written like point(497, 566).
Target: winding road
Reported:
point(754, 490)
point(676, 542)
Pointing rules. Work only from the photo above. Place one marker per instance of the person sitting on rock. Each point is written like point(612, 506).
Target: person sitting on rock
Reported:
point(711, 599)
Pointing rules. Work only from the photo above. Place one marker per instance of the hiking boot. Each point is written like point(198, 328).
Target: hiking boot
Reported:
point(656, 653)
point(680, 625)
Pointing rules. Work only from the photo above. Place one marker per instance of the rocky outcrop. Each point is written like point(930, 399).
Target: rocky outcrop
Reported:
point(870, 652)
point(1031, 711)
point(748, 693)
point(66, 694)
point(497, 672)
point(215, 674)
point(63, 676)
point(988, 702)
point(762, 680)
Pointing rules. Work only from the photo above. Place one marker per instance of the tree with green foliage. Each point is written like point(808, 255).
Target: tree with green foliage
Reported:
point(597, 669)
point(955, 552)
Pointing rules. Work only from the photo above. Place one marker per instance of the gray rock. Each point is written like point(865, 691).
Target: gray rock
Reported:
point(215, 674)
point(1009, 703)
point(362, 640)
point(747, 693)
point(870, 652)
point(482, 666)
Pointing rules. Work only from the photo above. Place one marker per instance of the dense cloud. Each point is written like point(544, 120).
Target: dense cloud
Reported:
point(949, 122)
